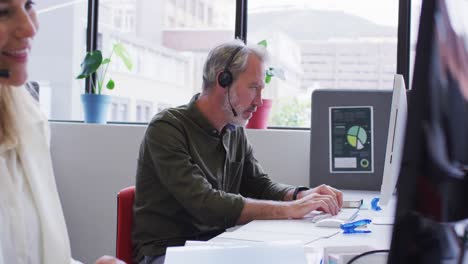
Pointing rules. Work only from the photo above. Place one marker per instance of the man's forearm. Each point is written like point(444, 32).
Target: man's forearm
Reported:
point(263, 209)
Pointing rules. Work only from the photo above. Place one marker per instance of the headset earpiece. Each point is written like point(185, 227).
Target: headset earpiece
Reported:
point(225, 77)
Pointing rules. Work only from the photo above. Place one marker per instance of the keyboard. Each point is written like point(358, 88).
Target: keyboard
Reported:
point(347, 215)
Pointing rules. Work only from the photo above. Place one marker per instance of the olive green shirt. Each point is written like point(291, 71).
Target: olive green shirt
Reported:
point(191, 180)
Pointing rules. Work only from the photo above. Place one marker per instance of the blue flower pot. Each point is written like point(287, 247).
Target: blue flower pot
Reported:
point(96, 107)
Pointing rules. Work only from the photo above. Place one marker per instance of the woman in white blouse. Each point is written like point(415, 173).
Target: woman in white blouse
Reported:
point(32, 226)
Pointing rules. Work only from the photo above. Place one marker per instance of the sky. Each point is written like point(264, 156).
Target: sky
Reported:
point(382, 12)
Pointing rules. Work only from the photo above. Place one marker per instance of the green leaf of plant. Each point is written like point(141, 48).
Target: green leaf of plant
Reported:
point(263, 43)
point(122, 53)
point(105, 61)
point(267, 79)
point(90, 64)
point(110, 84)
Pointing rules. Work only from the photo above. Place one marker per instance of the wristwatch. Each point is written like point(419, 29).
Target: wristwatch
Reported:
point(297, 190)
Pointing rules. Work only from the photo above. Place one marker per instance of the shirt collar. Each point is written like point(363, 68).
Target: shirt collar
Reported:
point(203, 122)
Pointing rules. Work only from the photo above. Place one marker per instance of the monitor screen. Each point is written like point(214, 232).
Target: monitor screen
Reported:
point(395, 140)
point(433, 181)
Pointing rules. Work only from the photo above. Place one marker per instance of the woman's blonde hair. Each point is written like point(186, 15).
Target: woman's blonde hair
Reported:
point(7, 125)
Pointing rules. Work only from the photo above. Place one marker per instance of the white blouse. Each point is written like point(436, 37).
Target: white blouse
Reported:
point(32, 225)
point(20, 234)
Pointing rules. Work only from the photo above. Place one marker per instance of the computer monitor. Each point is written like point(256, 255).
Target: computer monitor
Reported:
point(395, 140)
point(433, 181)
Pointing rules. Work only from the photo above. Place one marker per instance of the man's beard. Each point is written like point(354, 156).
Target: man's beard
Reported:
point(234, 120)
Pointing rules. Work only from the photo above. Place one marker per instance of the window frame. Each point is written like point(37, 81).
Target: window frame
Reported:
point(92, 38)
point(241, 32)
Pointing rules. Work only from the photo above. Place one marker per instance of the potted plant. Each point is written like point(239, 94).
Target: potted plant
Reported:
point(259, 119)
point(96, 104)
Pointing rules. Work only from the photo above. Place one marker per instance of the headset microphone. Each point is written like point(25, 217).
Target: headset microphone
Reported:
point(232, 108)
point(225, 78)
point(233, 112)
point(4, 74)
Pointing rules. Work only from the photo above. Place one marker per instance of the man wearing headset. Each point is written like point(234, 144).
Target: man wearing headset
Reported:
point(197, 174)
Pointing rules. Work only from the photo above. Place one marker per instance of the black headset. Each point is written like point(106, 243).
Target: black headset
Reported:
point(225, 77)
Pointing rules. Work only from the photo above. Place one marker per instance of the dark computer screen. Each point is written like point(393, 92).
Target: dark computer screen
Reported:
point(433, 181)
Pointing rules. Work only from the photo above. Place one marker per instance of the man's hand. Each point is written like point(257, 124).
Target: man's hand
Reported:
point(313, 201)
point(322, 198)
point(324, 190)
point(109, 260)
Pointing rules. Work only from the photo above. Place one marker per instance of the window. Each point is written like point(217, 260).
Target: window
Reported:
point(210, 16)
point(167, 42)
point(119, 110)
point(171, 21)
point(181, 4)
point(201, 11)
point(323, 44)
point(144, 111)
point(319, 44)
point(193, 8)
point(167, 60)
point(56, 55)
point(162, 106)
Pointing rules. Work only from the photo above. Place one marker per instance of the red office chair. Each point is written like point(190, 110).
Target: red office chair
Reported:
point(124, 224)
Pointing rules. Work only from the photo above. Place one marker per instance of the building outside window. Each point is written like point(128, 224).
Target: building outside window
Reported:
point(333, 44)
point(201, 11)
point(210, 16)
point(119, 110)
point(144, 110)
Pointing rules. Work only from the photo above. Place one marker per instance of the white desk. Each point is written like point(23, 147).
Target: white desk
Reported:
point(380, 237)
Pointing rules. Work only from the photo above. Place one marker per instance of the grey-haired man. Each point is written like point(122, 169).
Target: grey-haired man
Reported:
point(197, 174)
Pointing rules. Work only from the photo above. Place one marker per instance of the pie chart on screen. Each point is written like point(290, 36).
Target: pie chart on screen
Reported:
point(356, 137)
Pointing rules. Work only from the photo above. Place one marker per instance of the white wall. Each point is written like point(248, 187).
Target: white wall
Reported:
point(93, 162)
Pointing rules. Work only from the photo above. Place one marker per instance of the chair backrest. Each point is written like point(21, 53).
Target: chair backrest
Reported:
point(124, 224)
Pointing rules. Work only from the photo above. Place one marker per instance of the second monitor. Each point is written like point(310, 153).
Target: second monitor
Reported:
point(356, 138)
point(395, 140)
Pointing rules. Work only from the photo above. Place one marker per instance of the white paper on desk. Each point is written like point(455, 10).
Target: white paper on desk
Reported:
point(289, 226)
point(271, 253)
point(279, 230)
point(264, 236)
point(196, 243)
